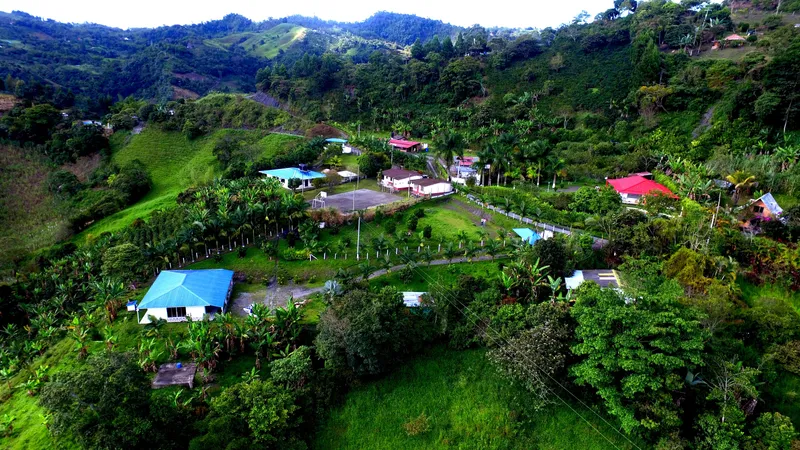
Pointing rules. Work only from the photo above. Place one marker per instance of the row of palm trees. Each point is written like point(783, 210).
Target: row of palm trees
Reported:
point(66, 294)
point(508, 155)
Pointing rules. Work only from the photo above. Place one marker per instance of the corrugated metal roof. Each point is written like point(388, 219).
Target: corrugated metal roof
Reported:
point(175, 288)
point(400, 174)
point(771, 204)
point(637, 185)
point(293, 172)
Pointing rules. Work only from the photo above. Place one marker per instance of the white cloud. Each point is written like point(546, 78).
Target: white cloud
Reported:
point(153, 13)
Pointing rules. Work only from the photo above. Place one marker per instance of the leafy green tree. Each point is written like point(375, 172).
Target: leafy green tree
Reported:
point(35, 124)
point(257, 413)
point(551, 253)
point(123, 261)
point(536, 356)
point(448, 51)
point(417, 50)
point(635, 353)
point(771, 431)
point(596, 201)
point(106, 404)
point(370, 163)
point(132, 181)
point(294, 370)
point(367, 332)
point(63, 184)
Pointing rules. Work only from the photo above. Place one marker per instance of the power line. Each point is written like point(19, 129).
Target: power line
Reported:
point(452, 301)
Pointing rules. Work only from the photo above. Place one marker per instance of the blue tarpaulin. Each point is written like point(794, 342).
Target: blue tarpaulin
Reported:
point(527, 235)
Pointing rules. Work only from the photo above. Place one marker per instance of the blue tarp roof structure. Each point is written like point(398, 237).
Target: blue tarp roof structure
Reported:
point(175, 288)
point(336, 140)
point(293, 172)
point(527, 235)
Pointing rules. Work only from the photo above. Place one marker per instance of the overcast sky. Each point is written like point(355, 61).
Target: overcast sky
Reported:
point(153, 13)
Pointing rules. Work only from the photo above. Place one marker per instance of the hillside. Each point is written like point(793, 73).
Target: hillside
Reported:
point(613, 261)
point(266, 44)
point(175, 164)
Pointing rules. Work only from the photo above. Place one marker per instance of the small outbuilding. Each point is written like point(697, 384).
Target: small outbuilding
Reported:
point(284, 175)
point(430, 187)
point(177, 295)
point(763, 209)
point(399, 179)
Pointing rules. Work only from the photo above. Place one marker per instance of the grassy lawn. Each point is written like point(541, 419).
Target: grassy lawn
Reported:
point(783, 395)
point(467, 404)
point(752, 294)
point(437, 274)
point(174, 164)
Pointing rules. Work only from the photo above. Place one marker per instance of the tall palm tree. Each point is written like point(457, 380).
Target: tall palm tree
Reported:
point(741, 182)
point(487, 157)
point(449, 144)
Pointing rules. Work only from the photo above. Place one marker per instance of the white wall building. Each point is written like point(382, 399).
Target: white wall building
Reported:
point(398, 179)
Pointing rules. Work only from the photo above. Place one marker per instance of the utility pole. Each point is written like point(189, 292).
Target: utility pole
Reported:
point(714, 218)
point(358, 238)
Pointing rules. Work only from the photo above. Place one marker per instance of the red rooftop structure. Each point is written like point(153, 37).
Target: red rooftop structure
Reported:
point(404, 145)
point(633, 188)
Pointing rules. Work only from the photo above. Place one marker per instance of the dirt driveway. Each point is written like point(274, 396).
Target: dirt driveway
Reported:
point(272, 296)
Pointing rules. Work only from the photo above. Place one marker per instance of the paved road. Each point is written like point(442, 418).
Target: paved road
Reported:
point(278, 295)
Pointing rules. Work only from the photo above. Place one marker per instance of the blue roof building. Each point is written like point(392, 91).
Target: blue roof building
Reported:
point(178, 294)
point(527, 235)
point(284, 175)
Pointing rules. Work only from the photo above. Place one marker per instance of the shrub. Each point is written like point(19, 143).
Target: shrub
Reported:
point(390, 226)
point(241, 252)
point(427, 232)
point(63, 184)
point(420, 425)
point(291, 254)
point(412, 223)
point(420, 213)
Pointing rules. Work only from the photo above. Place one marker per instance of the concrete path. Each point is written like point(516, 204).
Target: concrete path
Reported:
point(278, 296)
point(436, 262)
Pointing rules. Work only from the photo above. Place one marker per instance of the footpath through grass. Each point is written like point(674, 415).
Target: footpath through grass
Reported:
point(467, 405)
point(175, 163)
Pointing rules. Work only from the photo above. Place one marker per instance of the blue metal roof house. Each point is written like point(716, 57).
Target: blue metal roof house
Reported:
point(179, 294)
point(284, 175)
point(527, 235)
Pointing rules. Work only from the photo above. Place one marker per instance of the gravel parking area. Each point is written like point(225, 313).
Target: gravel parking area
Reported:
point(364, 198)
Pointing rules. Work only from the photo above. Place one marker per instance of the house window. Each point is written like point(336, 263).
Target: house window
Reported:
point(180, 311)
point(758, 209)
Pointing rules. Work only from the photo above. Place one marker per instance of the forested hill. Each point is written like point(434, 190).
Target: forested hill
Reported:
point(88, 63)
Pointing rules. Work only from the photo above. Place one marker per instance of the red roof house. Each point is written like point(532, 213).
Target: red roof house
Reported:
point(405, 145)
point(632, 189)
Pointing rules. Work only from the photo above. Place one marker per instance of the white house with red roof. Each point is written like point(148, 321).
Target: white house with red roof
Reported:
point(399, 179)
point(633, 188)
